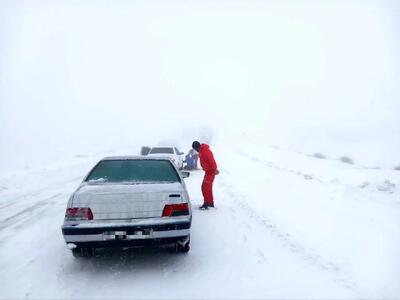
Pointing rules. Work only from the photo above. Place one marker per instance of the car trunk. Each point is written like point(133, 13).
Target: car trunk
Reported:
point(133, 201)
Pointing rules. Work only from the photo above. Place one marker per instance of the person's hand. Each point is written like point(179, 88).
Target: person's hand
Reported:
point(216, 172)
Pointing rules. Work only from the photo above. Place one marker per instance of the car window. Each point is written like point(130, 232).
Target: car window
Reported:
point(133, 171)
point(162, 150)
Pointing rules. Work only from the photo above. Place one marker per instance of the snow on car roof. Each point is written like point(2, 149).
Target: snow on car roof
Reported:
point(136, 157)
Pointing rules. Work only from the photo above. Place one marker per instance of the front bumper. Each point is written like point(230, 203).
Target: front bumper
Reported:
point(126, 235)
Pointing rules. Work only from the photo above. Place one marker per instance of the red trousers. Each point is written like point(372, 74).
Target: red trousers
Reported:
point(207, 188)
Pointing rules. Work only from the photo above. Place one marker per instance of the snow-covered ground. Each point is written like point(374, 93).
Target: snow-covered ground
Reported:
point(302, 112)
point(287, 225)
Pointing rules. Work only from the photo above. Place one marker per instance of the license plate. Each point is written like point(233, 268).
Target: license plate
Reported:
point(144, 232)
point(141, 234)
point(115, 235)
point(122, 235)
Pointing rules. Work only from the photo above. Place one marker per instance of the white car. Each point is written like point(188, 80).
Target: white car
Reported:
point(172, 152)
point(129, 201)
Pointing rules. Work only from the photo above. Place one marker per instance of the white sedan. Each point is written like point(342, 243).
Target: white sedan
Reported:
point(172, 152)
point(129, 201)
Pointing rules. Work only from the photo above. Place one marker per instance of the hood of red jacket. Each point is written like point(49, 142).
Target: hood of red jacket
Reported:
point(204, 147)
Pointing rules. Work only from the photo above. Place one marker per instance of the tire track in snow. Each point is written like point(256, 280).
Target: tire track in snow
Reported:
point(276, 167)
point(7, 205)
point(14, 200)
point(307, 254)
point(385, 187)
point(37, 192)
point(28, 212)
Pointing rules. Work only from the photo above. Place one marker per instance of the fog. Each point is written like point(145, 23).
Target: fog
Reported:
point(79, 77)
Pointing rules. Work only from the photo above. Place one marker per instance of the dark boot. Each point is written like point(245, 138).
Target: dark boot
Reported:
point(204, 206)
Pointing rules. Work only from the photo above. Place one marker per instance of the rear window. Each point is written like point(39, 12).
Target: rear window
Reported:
point(133, 171)
point(161, 150)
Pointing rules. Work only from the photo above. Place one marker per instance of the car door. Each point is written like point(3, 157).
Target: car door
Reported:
point(179, 157)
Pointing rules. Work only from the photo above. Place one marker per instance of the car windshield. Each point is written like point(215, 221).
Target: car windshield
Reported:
point(133, 171)
point(160, 150)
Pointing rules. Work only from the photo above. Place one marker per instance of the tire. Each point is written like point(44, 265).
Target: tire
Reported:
point(77, 252)
point(183, 248)
point(83, 252)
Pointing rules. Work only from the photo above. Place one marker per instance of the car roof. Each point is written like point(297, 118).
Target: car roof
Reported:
point(163, 147)
point(136, 157)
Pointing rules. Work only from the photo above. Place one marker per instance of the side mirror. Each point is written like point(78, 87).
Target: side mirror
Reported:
point(185, 174)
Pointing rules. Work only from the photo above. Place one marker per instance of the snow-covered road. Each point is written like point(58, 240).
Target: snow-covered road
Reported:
point(286, 226)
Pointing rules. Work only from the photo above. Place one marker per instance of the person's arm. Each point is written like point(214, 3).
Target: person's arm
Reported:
point(213, 164)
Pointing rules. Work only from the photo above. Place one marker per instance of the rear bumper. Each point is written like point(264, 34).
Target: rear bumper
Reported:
point(126, 235)
point(132, 243)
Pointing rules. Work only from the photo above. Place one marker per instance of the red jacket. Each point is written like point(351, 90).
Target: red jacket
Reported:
point(207, 160)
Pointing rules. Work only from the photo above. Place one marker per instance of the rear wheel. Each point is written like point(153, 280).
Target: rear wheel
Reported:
point(83, 252)
point(183, 247)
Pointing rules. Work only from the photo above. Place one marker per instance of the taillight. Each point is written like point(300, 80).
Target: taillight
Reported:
point(78, 213)
point(173, 210)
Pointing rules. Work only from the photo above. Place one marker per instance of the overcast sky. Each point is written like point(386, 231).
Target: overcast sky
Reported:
point(79, 76)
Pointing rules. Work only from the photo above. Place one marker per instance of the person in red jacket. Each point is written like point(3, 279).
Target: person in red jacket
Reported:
point(209, 165)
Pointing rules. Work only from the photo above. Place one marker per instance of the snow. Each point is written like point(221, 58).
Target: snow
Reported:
point(294, 227)
point(92, 189)
point(83, 79)
point(300, 110)
point(325, 207)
